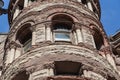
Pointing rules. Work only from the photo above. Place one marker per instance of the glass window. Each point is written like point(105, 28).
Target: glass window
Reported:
point(62, 36)
point(27, 45)
point(62, 32)
point(62, 27)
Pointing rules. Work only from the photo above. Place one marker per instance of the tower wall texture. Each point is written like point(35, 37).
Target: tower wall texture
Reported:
point(35, 51)
point(115, 43)
point(2, 42)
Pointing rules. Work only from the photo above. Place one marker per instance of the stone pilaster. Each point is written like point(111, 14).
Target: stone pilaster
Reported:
point(89, 5)
point(78, 33)
point(48, 31)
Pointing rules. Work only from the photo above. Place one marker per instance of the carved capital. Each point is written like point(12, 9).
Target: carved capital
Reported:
point(33, 29)
point(13, 44)
point(77, 25)
point(49, 66)
point(48, 24)
point(92, 31)
point(106, 50)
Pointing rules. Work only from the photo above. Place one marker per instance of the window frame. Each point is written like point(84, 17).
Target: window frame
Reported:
point(24, 36)
point(64, 30)
point(28, 42)
point(64, 33)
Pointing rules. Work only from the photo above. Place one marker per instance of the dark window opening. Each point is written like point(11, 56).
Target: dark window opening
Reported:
point(61, 26)
point(116, 50)
point(95, 11)
point(24, 36)
point(21, 4)
point(111, 78)
point(84, 1)
point(21, 76)
point(14, 1)
point(32, 0)
point(68, 68)
point(98, 38)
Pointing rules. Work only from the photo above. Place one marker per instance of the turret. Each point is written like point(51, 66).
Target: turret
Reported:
point(57, 40)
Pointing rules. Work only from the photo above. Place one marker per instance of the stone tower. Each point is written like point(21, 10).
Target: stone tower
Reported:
point(57, 40)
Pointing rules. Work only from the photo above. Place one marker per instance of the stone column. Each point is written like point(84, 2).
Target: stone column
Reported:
point(8, 57)
point(51, 72)
point(75, 38)
point(93, 41)
point(16, 12)
point(89, 5)
point(48, 31)
point(79, 33)
point(12, 55)
point(79, 1)
point(29, 2)
point(30, 77)
point(17, 53)
point(111, 60)
point(0, 73)
point(26, 3)
point(85, 73)
point(33, 37)
point(105, 42)
point(92, 36)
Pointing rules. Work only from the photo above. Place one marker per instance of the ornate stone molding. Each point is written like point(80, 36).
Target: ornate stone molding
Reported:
point(106, 50)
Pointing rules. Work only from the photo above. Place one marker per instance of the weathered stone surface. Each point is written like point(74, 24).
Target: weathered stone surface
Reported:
point(37, 21)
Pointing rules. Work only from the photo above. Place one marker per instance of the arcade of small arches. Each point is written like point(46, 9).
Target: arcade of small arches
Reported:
point(60, 29)
point(21, 4)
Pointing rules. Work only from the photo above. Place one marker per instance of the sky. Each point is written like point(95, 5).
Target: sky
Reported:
point(110, 16)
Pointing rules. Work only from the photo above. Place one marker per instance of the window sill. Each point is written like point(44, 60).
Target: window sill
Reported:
point(63, 42)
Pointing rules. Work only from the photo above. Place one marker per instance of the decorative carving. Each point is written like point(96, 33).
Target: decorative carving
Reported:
point(13, 44)
point(106, 50)
point(49, 66)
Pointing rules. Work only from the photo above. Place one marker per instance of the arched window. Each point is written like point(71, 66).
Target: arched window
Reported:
point(98, 39)
point(84, 2)
point(62, 27)
point(24, 36)
point(21, 4)
point(31, 1)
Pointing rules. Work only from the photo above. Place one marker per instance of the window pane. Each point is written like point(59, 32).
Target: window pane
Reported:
point(62, 36)
point(27, 45)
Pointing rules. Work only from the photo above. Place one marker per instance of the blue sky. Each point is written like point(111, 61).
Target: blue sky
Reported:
point(110, 16)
